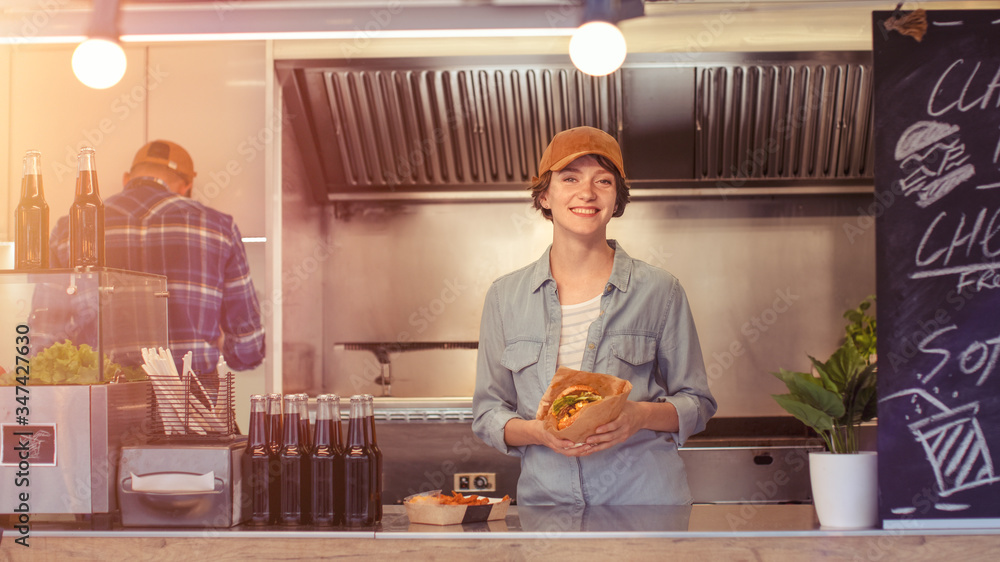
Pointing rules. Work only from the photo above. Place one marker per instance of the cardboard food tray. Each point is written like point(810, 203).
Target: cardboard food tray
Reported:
point(614, 390)
point(437, 514)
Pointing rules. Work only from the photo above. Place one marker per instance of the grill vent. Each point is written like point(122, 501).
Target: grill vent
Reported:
point(454, 124)
point(399, 129)
point(792, 121)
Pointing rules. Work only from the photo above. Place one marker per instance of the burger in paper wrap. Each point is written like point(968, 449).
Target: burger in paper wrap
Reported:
point(578, 402)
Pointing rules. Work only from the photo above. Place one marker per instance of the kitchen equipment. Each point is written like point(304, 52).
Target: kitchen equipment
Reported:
point(193, 484)
point(187, 403)
point(77, 435)
point(746, 459)
point(189, 473)
point(80, 408)
point(383, 351)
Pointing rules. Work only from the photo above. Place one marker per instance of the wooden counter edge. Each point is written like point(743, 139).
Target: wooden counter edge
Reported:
point(869, 547)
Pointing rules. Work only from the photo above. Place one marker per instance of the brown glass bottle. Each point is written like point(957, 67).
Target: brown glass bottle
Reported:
point(377, 452)
point(274, 422)
point(31, 218)
point(290, 459)
point(86, 215)
point(326, 505)
point(358, 461)
point(305, 442)
point(304, 434)
point(259, 485)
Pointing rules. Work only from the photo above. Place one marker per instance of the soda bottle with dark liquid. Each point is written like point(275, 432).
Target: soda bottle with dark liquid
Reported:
point(257, 461)
point(290, 460)
point(273, 421)
point(304, 433)
point(358, 460)
point(326, 472)
point(31, 218)
point(377, 452)
point(305, 440)
point(86, 215)
point(338, 431)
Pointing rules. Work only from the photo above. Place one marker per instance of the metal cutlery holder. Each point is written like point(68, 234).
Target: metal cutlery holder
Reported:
point(188, 408)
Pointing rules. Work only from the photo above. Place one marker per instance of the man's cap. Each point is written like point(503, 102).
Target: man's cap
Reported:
point(169, 154)
point(576, 142)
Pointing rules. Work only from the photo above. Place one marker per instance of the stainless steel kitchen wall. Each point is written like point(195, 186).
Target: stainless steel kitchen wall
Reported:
point(768, 278)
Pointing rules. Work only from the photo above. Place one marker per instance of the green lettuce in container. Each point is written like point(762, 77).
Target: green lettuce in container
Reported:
point(65, 363)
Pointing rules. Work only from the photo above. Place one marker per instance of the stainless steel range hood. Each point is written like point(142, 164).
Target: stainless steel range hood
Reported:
point(392, 127)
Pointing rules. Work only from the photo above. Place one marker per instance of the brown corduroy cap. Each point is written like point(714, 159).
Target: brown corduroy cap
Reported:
point(169, 154)
point(576, 142)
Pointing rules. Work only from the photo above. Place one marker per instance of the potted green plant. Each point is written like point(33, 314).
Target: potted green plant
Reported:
point(834, 401)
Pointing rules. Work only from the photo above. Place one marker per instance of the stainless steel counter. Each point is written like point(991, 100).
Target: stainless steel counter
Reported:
point(702, 532)
point(548, 522)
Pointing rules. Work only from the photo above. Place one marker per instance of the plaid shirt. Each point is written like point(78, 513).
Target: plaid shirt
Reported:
point(201, 253)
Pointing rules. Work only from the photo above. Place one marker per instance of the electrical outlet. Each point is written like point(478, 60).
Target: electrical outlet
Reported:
point(476, 482)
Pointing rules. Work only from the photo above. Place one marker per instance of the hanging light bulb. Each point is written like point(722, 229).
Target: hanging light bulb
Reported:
point(597, 48)
point(99, 63)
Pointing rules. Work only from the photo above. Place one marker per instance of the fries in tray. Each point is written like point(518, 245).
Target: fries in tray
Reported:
point(435, 508)
point(456, 498)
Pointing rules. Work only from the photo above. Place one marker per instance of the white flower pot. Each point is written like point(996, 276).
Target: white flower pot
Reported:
point(845, 489)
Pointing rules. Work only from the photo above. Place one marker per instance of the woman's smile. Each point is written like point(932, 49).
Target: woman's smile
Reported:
point(581, 190)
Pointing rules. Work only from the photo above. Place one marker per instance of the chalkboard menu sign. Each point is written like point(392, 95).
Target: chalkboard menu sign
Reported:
point(937, 191)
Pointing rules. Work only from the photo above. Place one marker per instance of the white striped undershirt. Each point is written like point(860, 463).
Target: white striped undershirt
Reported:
point(576, 321)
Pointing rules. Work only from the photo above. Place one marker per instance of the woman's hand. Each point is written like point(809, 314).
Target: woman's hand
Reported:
point(658, 416)
point(631, 419)
point(520, 432)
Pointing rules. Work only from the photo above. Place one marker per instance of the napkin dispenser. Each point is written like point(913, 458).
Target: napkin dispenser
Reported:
point(181, 484)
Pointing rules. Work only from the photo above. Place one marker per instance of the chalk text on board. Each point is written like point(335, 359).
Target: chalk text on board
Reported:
point(978, 243)
point(979, 356)
point(946, 82)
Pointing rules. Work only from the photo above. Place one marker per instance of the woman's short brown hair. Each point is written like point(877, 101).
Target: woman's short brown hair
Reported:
point(540, 185)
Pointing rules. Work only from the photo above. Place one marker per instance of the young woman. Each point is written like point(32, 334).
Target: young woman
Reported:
point(587, 305)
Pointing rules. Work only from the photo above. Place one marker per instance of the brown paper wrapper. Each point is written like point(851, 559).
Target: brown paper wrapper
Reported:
point(614, 390)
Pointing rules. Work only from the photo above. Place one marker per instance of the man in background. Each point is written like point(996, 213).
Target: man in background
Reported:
point(153, 226)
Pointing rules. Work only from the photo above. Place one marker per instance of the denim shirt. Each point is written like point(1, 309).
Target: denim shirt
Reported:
point(645, 334)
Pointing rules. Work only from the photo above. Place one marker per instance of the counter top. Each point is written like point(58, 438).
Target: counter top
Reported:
point(526, 522)
point(784, 531)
